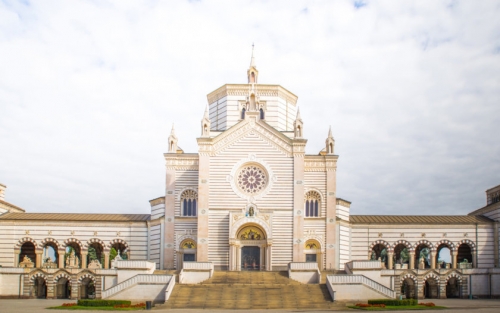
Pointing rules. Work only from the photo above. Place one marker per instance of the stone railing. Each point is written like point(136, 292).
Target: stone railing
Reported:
point(127, 264)
point(10, 270)
point(137, 279)
point(304, 272)
point(303, 266)
point(359, 279)
point(195, 272)
point(363, 265)
point(170, 288)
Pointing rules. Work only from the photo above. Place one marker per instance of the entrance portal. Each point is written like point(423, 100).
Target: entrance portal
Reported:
point(250, 258)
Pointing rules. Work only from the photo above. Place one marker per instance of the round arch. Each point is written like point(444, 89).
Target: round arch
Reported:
point(23, 240)
point(247, 221)
point(92, 241)
point(186, 250)
point(450, 245)
point(440, 245)
point(409, 285)
point(38, 283)
point(420, 262)
point(251, 231)
point(119, 241)
point(468, 242)
point(38, 275)
point(48, 241)
point(83, 276)
point(250, 245)
point(380, 242)
point(72, 241)
point(407, 244)
point(431, 286)
point(60, 275)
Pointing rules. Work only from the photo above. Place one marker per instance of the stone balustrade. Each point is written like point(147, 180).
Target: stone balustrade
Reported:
point(137, 279)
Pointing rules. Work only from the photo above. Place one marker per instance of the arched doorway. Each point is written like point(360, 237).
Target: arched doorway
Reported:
point(251, 237)
point(408, 288)
point(187, 252)
point(27, 251)
point(87, 288)
point(379, 252)
point(250, 249)
point(313, 252)
point(40, 288)
point(431, 288)
point(453, 289)
point(63, 288)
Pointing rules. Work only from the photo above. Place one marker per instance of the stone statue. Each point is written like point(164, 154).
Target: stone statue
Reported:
point(118, 256)
point(26, 262)
point(94, 264)
point(373, 257)
point(251, 211)
point(421, 263)
point(72, 260)
point(48, 263)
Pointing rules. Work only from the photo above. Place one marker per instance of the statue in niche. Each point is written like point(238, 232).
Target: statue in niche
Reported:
point(118, 256)
point(373, 257)
point(26, 262)
point(251, 211)
point(94, 264)
point(421, 263)
point(48, 263)
point(72, 261)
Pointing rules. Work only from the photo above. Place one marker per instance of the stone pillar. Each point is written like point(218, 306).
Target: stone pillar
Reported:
point(432, 256)
point(106, 259)
point(84, 259)
point(238, 257)
point(180, 260)
point(16, 257)
point(230, 266)
point(412, 260)
point(269, 266)
point(203, 209)
point(298, 200)
point(420, 288)
point(442, 289)
point(60, 258)
point(75, 290)
point(390, 260)
point(168, 239)
point(454, 255)
point(474, 263)
point(319, 259)
point(331, 212)
point(261, 264)
point(38, 262)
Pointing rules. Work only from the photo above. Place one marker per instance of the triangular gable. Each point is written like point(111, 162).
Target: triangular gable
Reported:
point(249, 125)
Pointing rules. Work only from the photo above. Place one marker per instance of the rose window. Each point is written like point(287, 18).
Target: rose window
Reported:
point(251, 179)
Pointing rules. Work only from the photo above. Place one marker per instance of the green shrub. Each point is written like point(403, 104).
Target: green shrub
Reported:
point(103, 302)
point(394, 302)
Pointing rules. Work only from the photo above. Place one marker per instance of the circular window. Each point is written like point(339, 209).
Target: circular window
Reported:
point(251, 179)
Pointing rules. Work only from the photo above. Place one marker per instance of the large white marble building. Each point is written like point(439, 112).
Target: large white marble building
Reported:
point(251, 199)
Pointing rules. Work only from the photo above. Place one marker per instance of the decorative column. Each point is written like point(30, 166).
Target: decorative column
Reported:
point(84, 259)
point(269, 258)
point(432, 256)
point(203, 194)
point(38, 259)
point(474, 265)
point(454, 255)
point(16, 257)
point(60, 258)
point(75, 290)
point(238, 257)
point(261, 261)
point(412, 260)
point(390, 260)
point(106, 259)
point(298, 200)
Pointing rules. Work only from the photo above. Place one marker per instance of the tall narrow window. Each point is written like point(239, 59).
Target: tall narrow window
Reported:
point(243, 113)
point(312, 202)
point(261, 114)
point(188, 202)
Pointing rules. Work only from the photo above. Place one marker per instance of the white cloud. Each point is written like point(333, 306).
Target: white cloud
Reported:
point(89, 91)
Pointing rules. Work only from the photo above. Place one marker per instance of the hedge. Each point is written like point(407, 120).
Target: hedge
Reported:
point(394, 302)
point(103, 302)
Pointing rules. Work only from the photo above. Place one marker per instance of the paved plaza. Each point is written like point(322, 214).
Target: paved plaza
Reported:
point(36, 306)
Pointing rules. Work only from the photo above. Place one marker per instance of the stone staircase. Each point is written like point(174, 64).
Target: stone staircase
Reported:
point(251, 290)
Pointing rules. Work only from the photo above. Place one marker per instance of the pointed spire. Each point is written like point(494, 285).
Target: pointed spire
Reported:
point(330, 142)
point(172, 132)
point(330, 132)
point(252, 60)
point(206, 113)
point(252, 71)
point(298, 118)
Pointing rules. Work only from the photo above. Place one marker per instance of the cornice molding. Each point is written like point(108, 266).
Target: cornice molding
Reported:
point(243, 90)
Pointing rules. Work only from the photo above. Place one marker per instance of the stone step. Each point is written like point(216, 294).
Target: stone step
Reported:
point(251, 290)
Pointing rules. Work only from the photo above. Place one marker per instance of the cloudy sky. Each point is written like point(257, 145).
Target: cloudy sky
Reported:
point(89, 91)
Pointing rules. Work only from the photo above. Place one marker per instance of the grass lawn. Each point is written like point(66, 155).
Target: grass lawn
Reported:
point(400, 307)
point(93, 308)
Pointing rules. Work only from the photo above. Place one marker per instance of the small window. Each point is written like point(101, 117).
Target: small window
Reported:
point(189, 257)
point(311, 258)
point(189, 199)
point(243, 113)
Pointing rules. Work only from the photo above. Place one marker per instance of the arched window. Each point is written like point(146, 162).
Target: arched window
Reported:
point(189, 199)
point(312, 203)
point(243, 113)
point(261, 114)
